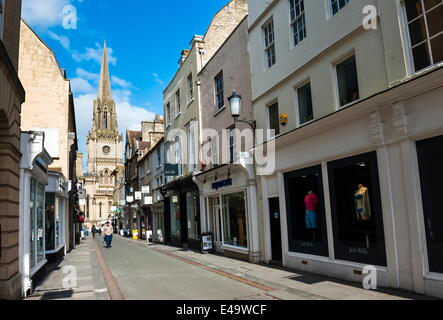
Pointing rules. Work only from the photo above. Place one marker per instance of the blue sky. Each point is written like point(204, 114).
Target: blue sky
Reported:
point(144, 37)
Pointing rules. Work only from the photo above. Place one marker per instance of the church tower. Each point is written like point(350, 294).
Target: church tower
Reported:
point(104, 150)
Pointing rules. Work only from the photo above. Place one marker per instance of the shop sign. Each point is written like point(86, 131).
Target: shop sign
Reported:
point(122, 202)
point(207, 242)
point(171, 170)
point(220, 184)
point(145, 189)
point(82, 202)
point(148, 200)
point(174, 199)
point(130, 198)
point(113, 209)
point(138, 195)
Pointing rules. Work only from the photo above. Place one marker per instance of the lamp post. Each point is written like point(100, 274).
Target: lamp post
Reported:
point(235, 104)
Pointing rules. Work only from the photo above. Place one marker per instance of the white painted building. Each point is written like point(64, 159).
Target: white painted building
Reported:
point(356, 177)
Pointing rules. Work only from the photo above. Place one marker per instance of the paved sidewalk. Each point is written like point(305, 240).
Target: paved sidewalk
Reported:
point(89, 281)
point(285, 284)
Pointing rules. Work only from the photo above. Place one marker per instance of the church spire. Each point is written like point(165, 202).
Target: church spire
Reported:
point(104, 86)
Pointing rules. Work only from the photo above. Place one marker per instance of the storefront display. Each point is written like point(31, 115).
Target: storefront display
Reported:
point(430, 160)
point(305, 211)
point(356, 210)
point(234, 220)
point(54, 221)
point(175, 215)
point(37, 254)
point(193, 214)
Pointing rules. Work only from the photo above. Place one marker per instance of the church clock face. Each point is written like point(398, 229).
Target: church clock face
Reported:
point(106, 150)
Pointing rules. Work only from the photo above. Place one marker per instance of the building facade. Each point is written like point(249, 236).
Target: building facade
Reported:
point(227, 183)
point(352, 186)
point(183, 129)
point(49, 108)
point(104, 151)
point(12, 95)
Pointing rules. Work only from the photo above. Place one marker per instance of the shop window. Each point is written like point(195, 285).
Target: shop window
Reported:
point(305, 211)
point(234, 220)
point(50, 221)
point(347, 81)
point(425, 27)
point(175, 215)
point(36, 206)
point(193, 214)
point(356, 210)
point(305, 103)
point(274, 120)
point(430, 159)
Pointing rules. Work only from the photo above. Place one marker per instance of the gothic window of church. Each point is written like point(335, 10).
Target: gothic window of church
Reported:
point(105, 119)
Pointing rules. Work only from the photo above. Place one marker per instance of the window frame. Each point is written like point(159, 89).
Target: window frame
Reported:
point(297, 103)
point(178, 105)
point(214, 151)
point(269, 47)
point(190, 88)
point(330, 6)
point(268, 116)
point(336, 80)
point(409, 48)
point(294, 21)
point(219, 93)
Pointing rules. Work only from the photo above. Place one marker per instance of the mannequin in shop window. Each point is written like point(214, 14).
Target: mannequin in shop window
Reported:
point(363, 207)
point(311, 203)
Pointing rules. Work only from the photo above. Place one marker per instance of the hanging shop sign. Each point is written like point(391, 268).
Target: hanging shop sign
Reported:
point(207, 242)
point(129, 198)
point(220, 184)
point(82, 202)
point(145, 189)
point(122, 202)
point(138, 195)
point(171, 170)
point(148, 200)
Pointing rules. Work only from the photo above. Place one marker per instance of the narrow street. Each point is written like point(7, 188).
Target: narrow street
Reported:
point(140, 271)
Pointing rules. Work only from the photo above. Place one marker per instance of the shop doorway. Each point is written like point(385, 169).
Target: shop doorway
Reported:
point(216, 227)
point(274, 215)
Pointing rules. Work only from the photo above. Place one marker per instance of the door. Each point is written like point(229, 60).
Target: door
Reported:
point(216, 221)
point(274, 215)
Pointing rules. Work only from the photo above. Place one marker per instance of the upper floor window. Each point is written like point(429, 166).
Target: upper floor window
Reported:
point(232, 145)
point(177, 103)
point(337, 5)
point(219, 91)
point(274, 118)
point(298, 22)
point(190, 88)
point(214, 151)
point(268, 31)
point(304, 96)
point(425, 26)
point(347, 81)
point(168, 114)
point(2, 11)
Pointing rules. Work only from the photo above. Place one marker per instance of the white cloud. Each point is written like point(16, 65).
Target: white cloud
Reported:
point(87, 75)
point(157, 79)
point(120, 82)
point(94, 54)
point(80, 85)
point(44, 13)
point(64, 41)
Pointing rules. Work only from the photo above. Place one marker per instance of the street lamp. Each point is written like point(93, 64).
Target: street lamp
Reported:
point(235, 105)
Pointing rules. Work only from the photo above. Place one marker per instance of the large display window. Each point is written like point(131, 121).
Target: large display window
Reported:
point(175, 215)
point(193, 214)
point(54, 221)
point(430, 160)
point(234, 220)
point(306, 212)
point(36, 205)
point(356, 210)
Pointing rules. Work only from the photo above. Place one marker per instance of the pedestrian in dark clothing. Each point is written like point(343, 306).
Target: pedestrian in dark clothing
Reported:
point(93, 230)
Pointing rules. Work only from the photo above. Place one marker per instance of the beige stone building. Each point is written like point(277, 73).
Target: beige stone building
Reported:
point(49, 108)
point(183, 127)
point(12, 96)
point(355, 100)
point(104, 151)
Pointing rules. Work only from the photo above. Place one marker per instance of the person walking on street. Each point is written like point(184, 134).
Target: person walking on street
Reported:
point(108, 230)
point(93, 230)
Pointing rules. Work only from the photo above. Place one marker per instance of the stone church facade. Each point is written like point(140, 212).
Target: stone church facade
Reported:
point(104, 152)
